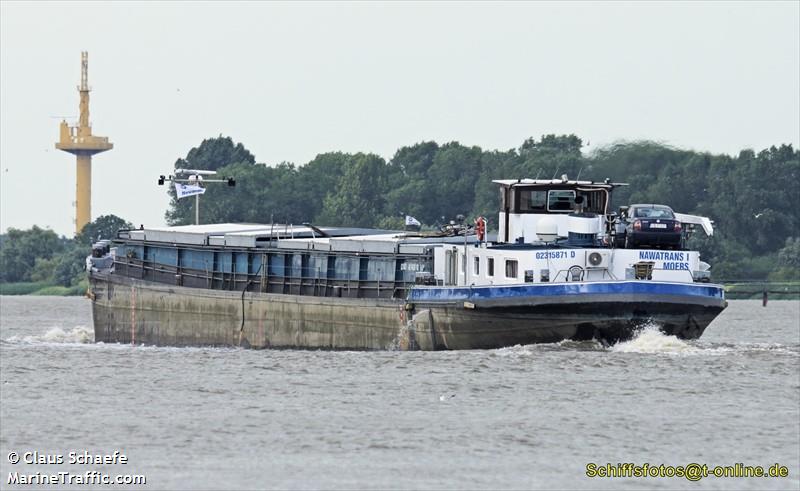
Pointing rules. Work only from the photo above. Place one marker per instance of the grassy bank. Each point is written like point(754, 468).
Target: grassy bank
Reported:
point(43, 288)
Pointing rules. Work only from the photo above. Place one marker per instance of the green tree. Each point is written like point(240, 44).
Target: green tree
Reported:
point(212, 154)
point(102, 227)
point(318, 179)
point(360, 193)
point(429, 181)
point(788, 261)
point(452, 181)
point(789, 256)
point(43, 269)
point(409, 187)
point(21, 249)
point(637, 163)
point(70, 266)
point(494, 165)
point(260, 193)
point(551, 157)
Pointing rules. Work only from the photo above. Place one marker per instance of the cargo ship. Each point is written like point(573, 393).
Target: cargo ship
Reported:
point(561, 266)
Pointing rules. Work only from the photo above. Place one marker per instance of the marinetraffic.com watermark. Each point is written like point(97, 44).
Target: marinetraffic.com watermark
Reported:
point(54, 476)
point(691, 472)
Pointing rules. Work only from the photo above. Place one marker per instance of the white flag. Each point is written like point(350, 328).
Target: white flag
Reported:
point(411, 221)
point(185, 190)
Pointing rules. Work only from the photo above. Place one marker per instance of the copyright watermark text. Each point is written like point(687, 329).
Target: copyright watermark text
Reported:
point(691, 472)
point(62, 477)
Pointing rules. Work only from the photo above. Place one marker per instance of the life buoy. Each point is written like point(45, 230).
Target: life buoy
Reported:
point(480, 228)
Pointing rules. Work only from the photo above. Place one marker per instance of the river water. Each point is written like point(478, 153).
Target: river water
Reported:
point(516, 418)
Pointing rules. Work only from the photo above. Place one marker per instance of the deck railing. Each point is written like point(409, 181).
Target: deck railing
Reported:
point(261, 281)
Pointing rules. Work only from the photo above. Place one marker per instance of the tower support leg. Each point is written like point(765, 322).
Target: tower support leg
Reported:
point(83, 192)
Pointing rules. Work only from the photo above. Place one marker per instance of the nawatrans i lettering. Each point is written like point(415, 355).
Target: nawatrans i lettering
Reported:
point(671, 260)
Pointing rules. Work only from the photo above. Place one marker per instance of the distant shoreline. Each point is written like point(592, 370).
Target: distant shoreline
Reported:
point(43, 289)
point(754, 290)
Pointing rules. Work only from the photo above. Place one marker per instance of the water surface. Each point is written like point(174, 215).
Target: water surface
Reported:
point(515, 418)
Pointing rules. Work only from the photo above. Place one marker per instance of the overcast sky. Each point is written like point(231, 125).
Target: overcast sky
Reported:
point(290, 81)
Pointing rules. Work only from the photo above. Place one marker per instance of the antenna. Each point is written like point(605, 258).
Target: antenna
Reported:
point(556, 172)
point(195, 179)
point(196, 172)
point(84, 71)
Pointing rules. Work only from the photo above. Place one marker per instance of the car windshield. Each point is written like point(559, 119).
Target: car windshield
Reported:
point(653, 212)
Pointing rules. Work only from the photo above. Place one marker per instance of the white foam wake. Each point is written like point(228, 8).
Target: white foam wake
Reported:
point(651, 340)
point(56, 335)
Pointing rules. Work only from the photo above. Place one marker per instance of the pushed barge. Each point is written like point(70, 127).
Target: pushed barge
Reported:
point(552, 273)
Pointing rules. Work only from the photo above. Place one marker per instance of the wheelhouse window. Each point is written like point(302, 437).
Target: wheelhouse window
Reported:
point(561, 201)
point(476, 268)
point(594, 201)
point(545, 200)
point(511, 268)
point(490, 266)
point(531, 200)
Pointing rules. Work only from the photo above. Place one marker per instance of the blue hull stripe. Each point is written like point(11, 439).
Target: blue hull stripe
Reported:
point(449, 294)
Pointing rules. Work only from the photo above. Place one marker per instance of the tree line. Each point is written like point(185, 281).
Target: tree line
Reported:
point(753, 197)
point(49, 263)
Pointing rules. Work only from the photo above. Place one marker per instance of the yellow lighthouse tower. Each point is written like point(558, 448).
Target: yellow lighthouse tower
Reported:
point(78, 140)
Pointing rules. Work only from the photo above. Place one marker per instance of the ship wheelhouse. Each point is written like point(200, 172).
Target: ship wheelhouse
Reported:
point(524, 202)
point(562, 231)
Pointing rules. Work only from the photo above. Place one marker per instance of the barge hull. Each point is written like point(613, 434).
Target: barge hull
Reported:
point(127, 310)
